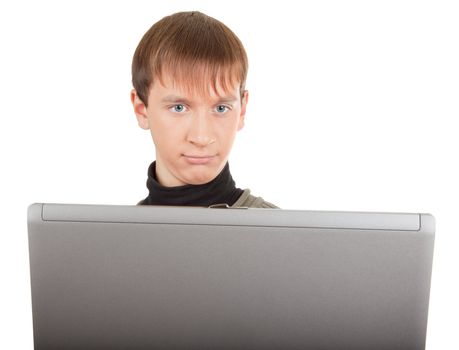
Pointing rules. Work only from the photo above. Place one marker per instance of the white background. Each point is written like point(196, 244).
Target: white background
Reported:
point(353, 106)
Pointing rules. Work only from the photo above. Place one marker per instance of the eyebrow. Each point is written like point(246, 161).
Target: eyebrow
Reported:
point(175, 98)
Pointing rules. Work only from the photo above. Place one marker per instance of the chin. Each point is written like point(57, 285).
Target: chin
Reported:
point(201, 177)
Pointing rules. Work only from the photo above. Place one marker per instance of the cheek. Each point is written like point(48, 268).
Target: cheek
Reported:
point(227, 132)
point(166, 131)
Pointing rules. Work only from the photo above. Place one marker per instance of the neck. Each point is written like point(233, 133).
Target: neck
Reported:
point(221, 189)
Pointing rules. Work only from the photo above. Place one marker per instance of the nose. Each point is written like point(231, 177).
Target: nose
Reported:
point(201, 132)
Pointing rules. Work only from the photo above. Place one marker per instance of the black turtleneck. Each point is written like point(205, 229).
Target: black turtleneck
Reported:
point(222, 189)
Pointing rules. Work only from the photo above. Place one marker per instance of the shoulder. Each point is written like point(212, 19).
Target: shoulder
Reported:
point(248, 200)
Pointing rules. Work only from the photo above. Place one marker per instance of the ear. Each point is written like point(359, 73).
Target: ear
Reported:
point(140, 110)
point(245, 99)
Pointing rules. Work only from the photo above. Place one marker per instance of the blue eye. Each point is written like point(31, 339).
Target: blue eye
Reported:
point(221, 109)
point(179, 108)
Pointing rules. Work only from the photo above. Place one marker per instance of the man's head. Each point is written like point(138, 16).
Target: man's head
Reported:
point(189, 72)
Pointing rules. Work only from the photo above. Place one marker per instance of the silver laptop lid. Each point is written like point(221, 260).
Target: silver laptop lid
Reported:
point(145, 277)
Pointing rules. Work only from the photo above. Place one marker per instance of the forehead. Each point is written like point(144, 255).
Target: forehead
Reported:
point(203, 87)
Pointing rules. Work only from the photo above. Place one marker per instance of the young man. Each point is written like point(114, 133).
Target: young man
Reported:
point(189, 72)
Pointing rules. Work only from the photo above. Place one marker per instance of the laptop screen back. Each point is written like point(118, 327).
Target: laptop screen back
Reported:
point(144, 277)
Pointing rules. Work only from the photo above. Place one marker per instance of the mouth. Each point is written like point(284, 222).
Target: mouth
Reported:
point(195, 159)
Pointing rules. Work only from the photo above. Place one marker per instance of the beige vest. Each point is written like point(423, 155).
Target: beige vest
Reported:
point(250, 201)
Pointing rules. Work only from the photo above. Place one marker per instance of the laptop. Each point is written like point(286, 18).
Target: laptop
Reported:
point(161, 277)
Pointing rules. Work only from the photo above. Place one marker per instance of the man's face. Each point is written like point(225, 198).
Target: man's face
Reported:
point(193, 135)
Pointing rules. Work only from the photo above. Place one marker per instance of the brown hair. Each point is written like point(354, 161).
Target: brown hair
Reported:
point(194, 49)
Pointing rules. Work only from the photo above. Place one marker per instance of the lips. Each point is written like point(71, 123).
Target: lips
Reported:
point(196, 159)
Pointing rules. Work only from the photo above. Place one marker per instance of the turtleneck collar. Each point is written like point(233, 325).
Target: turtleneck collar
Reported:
point(222, 189)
